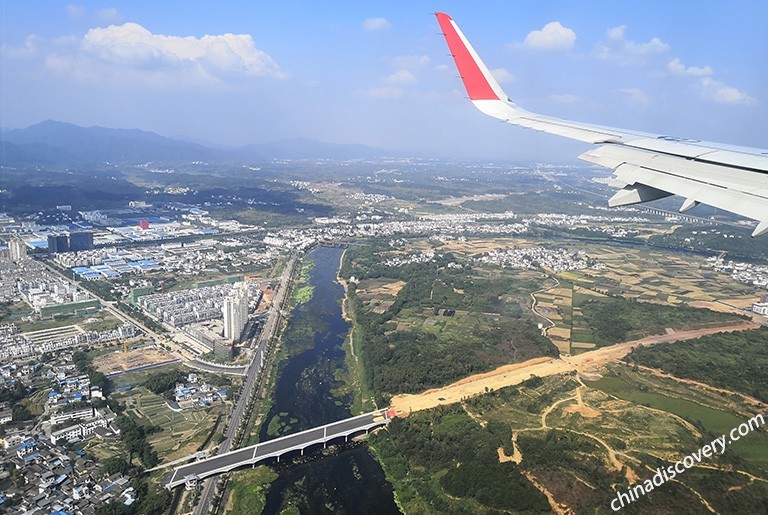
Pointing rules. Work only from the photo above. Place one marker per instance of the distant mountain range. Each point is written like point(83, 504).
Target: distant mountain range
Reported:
point(59, 143)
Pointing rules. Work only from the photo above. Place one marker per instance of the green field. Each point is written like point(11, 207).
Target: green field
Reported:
point(753, 448)
point(578, 442)
point(249, 490)
point(183, 432)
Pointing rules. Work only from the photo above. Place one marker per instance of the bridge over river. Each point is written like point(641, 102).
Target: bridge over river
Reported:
point(191, 473)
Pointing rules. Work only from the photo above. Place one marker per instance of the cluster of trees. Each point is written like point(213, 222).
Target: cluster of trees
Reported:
point(152, 500)
point(707, 239)
point(736, 361)
point(83, 363)
point(397, 361)
point(162, 382)
point(134, 437)
point(565, 453)
point(617, 319)
point(139, 314)
point(412, 361)
point(13, 395)
point(445, 443)
point(5, 310)
point(101, 288)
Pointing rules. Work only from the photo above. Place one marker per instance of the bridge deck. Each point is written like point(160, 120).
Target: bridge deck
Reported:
point(274, 448)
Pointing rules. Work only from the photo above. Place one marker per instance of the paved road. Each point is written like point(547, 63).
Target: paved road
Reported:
point(276, 447)
point(204, 501)
point(217, 369)
point(108, 305)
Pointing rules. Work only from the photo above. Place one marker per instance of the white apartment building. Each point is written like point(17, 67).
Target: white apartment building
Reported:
point(235, 311)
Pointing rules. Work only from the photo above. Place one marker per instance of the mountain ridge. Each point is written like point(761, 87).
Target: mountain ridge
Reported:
point(63, 143)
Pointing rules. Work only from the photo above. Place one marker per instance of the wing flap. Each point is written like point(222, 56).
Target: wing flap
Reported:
point(612, 156)
point(734, 201)
point(744, 193)
point(748, 159)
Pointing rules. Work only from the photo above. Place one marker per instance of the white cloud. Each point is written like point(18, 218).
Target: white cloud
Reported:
point(636, 95)
point(401, 77)
point(75, 11)
point(724, 94)
point(131, 52)
point(502, 76)
point(564, 98)
point(376, 24)
point(408, 61)
point(552, 37)
point(710, 88)
point(32, 46)
point(616, 47)
point(678, 68)
point(385, 93)
point(109, 15)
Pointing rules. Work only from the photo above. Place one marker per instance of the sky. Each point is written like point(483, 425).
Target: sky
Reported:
point(378, 73)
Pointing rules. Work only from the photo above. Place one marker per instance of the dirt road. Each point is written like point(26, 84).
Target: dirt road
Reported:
point(509, 375)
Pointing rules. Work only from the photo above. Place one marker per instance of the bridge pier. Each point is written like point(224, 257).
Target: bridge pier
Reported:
point(190, 482)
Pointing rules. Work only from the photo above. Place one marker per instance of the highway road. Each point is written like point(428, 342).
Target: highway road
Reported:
point(216, 369)
point(267, 332)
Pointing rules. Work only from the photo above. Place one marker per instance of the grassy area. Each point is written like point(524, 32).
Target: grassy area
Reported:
point(280, 424)
point(182, 431)
point(354, 374)
point(12, 312)
point(302, 289)
point(303, 294)
point(737, 361)
point(753, 448)
point(712, 419)
point(101, 321)
point(249, 490)
point(561, 433)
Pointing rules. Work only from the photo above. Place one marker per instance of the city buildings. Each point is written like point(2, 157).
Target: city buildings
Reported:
point(71, 242)
point(235, 312)
point(761, 308)
point(58, 243)
point(18, 250)
point(79, 241)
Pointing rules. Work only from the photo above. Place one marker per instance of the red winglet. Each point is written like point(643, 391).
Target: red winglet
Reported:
point(474, 80)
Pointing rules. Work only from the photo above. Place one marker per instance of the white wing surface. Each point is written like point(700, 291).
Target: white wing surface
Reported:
point(652, 166)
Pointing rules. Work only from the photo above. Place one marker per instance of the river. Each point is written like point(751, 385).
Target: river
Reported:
point(351, 481)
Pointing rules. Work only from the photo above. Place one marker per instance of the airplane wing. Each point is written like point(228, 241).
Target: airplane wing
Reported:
point(652, 166)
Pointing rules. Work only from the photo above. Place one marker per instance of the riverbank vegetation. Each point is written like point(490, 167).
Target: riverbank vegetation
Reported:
point(422, 325)
point(249, 489)
point(442, 461)
point(302, 289)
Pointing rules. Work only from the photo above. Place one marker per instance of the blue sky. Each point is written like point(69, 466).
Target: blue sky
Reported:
point(379, 73)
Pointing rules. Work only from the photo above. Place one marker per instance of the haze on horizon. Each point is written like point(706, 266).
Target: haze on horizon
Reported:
point(237, 73)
